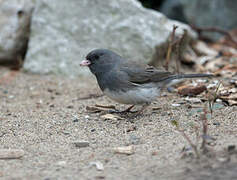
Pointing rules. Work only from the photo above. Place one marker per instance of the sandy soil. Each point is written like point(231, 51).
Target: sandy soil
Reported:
point(45, 115)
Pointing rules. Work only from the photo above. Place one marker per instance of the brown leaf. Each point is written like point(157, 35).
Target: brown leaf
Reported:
point(228, 70)
point(191, 90)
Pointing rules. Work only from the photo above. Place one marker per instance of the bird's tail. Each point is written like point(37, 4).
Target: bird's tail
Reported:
point(181, 76)
point(174, 79)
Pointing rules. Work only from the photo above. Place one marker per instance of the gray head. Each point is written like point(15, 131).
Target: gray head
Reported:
point(101, 60)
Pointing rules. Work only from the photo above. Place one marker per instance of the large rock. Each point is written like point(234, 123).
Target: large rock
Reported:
point(203, 13)
point(15, 16)
point(63, 32)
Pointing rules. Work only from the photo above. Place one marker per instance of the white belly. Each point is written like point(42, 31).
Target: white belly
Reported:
point(136, 96)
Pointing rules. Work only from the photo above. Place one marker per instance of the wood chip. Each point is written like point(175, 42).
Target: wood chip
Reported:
point(156, 108)
point(99, 108)
point(11, 153)
point(93, 109)
point(128, 150)
point(111, 117)
point(232, 102)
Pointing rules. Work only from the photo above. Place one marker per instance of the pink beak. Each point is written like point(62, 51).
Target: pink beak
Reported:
point(85, 63)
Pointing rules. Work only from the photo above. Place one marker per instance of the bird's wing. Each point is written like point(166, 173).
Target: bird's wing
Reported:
point(140, 74)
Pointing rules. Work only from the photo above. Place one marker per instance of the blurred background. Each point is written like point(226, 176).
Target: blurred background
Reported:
point(52, 37)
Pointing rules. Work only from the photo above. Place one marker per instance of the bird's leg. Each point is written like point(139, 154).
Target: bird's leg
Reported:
point(143, 108)
point(128, 110)
point(139, 112)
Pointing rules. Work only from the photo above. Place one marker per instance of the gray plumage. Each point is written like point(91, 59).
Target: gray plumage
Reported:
point(129, 82)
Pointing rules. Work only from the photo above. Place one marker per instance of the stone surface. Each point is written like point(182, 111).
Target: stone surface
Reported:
point(203, 13)
point(15, 19)
point(63, 32)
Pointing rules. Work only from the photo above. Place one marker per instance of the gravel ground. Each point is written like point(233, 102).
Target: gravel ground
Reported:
point(46, 115)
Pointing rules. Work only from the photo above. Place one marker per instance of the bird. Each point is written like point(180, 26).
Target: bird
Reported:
point(129, 82)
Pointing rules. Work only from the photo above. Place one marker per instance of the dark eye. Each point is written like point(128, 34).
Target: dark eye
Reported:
point(96, 57)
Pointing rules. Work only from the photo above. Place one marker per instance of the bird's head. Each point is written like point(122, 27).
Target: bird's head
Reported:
point(100, 60)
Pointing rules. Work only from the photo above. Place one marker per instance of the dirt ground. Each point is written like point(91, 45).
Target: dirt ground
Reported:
point(46, 115)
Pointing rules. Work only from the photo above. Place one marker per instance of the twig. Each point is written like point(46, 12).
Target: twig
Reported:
point(170, 46)
point(106, 107)
point(179, 48)
point(214, 29)
point(215, 95)
point(194, 147)
point(204, 129)
point(90, 96)
point(197, 135)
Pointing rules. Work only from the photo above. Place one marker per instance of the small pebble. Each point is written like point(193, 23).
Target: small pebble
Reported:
point(211, 86)
point(202, 80)
point(57, 93)
point(216, 123)
point(76, 120)
point(11, 97)
point(99, 166)
point(81, 144)
point(87, 116)
point(61, 163)
point(52, 105)
point(231, 148)
point(100, 177)
point(134, 140)
point(193, 100)
point(176, 105)
point(66, 132)
point(93, 130)
point(70, 107)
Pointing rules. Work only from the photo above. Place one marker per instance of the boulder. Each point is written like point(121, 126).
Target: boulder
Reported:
point(63, 32)
point(203, 13)
point(15, 18)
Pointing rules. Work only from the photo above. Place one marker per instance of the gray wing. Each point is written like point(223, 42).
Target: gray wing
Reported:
point(141, 74)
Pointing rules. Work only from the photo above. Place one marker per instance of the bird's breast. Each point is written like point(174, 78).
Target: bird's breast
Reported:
point(139, 95)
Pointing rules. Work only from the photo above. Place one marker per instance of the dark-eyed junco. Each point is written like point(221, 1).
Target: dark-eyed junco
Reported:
point(128, 82)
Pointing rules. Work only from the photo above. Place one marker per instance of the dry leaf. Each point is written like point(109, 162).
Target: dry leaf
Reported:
point(202, 48)
point(111, 117)
point(191, 90)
